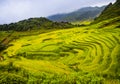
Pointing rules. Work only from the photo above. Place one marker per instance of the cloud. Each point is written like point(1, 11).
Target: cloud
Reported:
point(15, 10)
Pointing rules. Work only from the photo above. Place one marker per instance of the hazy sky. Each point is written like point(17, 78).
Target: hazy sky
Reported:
point(15, 10)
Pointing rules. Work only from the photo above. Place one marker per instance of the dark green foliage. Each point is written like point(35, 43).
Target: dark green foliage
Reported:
point(2, 47)
point(34, 24)
point(111, 11)
point(10, 78)
point(9, 74)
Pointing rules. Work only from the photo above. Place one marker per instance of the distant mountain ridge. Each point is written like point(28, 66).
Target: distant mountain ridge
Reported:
point(81, 14)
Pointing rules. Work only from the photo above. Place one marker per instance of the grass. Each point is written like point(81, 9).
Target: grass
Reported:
point(83, 55)
point(86, 22)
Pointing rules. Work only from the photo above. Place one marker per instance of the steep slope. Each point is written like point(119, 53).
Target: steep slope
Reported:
point(111, 11)
point(86, 55)
point(81, 14)
point(28, 27)
point(83, 55)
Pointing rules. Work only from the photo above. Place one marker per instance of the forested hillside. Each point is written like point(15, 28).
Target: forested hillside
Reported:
point(34, 24)
point(111, 11)
point(77, 55)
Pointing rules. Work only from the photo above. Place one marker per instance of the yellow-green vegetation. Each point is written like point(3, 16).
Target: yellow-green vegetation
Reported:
point(83, 55)
point(85, 22)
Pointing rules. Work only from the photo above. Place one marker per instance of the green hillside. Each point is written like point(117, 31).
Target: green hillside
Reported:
point(28, 27)
point(80, 55)
point(111, 11)
point(35, 24)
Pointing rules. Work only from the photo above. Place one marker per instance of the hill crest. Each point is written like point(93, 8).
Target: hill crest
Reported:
point(35, 23)
point(78, 15)
point(111, 11)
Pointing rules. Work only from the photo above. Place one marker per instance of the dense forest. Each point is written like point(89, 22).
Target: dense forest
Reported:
point(34, 24)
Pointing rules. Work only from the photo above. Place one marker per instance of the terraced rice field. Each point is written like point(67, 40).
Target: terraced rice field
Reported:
point(72, 56)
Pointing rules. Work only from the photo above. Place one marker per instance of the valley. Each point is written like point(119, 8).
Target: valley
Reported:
point(40, 51)
point(66, 55)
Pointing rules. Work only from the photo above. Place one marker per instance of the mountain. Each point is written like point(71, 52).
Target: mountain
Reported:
point(81, 14)
point(111, 11)
point(82, 55)
point(35, 23)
